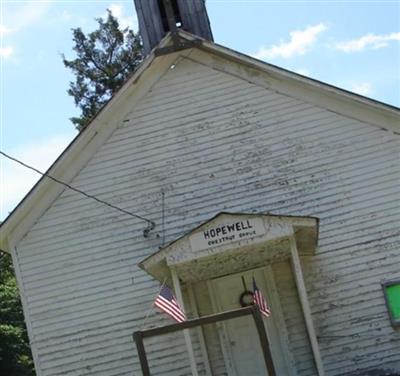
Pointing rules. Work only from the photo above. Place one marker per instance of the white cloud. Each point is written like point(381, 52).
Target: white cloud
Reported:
point(301, 41)
point(372, 41)
point(24, 15)
point(19, 18)
point(16, 180)
point(6, 52)
point(66, 15)
point(124, 20)
point(4, 30)
point(363, 88)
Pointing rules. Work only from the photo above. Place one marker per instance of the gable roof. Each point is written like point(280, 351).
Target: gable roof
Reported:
point(83, 147)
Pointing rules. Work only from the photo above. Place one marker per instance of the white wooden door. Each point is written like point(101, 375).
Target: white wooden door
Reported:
point(239, 336)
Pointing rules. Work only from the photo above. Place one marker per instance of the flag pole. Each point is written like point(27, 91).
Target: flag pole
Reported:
point(189, 346)
point(152, 305)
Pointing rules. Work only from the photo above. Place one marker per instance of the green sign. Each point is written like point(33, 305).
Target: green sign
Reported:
point(392, 292)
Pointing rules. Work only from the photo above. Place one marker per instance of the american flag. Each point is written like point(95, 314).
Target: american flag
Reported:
point(259, 299)
point(166, 301)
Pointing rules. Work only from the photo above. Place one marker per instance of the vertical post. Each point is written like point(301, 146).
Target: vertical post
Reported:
point(200, 332)
point(301, 288)
point(178, 292)
point(137, 337)
point(263, 340)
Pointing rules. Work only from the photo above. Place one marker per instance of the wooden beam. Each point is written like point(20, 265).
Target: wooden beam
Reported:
point(210, 319)
point(252, 310)
point(138, 338)
point(301, 288)
point(186, 334)
point(262, 335)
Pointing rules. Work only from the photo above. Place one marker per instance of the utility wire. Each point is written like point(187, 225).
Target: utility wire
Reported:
point(150, 227)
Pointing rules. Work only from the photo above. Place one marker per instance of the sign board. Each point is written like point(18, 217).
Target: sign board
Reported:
point(227, 232)
point(392, 295)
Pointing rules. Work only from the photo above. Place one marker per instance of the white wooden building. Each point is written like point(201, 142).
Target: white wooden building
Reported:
point(200, 139)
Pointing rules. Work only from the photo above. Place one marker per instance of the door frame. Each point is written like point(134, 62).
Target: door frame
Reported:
point(268, 284)
point(222, 332)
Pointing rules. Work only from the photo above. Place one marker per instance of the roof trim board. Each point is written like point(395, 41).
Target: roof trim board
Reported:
point(332, 98)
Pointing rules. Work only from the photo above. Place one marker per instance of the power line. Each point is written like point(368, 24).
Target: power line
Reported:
point(146, 231)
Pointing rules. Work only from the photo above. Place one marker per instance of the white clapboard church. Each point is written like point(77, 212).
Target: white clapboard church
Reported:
point(227, 169)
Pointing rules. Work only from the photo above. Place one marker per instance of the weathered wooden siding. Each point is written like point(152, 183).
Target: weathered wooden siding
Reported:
point(214, 142)
point(299, 343)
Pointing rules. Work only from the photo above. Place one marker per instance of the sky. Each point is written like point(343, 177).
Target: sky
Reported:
point(354, 45)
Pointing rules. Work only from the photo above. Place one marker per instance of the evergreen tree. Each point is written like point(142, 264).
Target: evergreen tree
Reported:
point(105, 58)
point(15, 354)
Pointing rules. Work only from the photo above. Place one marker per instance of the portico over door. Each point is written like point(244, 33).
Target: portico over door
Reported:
point(227, 251)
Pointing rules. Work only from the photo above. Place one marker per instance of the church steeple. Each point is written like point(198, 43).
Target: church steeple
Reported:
point(158, 17)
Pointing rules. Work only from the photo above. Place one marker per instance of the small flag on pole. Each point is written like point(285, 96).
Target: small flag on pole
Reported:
point(259, 299)
point(166, 301)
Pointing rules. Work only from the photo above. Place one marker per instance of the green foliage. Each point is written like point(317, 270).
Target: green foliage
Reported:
point(105, 58)
point(15, 354)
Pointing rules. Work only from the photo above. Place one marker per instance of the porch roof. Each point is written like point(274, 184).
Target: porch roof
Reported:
point(232, 242)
